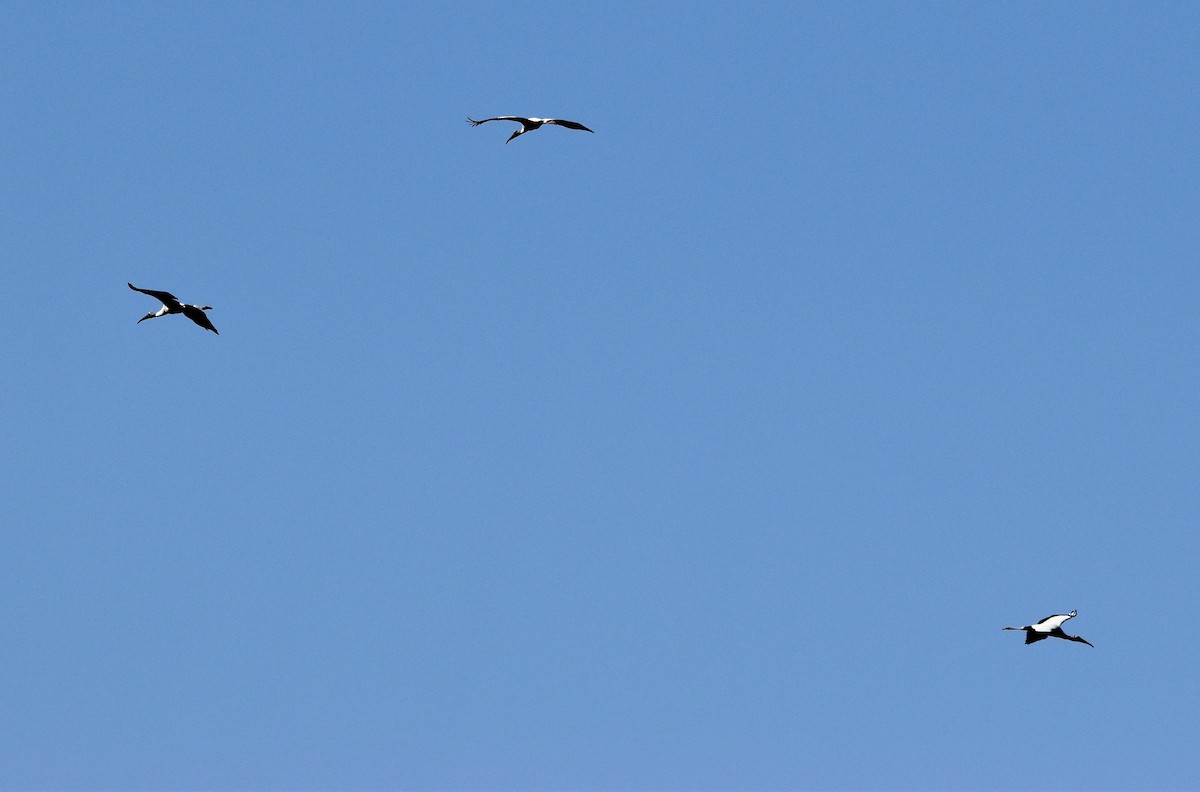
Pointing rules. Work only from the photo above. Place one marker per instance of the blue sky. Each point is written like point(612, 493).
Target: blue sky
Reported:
point(709, 451)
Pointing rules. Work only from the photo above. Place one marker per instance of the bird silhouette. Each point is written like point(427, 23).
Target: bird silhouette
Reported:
point(1050, 627)
point(529, 124)
point(172, 305)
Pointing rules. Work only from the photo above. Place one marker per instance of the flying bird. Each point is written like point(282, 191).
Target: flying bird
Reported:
point(1050, 627)
point(529, 124)
point(171, 305)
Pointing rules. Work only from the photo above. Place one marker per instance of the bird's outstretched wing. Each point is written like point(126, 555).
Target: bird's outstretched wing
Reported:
point(1051, 622)
point(199, 317)
point(518, 119)
point(166, 298)
point(567, 124)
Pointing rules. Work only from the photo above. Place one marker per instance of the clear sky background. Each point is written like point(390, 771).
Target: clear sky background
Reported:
point(711, 450)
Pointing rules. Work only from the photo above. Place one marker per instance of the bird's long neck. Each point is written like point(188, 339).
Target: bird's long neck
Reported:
point(155, 314)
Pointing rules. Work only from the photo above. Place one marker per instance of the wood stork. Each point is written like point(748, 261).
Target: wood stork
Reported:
point(1050, 627)
point(171, 305)
point(529, 124)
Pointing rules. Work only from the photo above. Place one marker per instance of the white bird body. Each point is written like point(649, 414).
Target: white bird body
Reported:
point(172, 305)
point(1049, 627)
point(530, 124)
